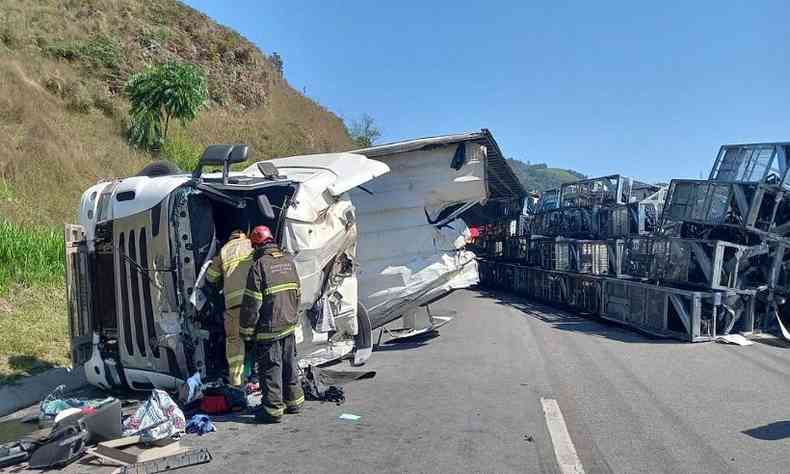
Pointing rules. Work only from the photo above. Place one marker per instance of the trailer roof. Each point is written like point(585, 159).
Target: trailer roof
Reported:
point(502, 183)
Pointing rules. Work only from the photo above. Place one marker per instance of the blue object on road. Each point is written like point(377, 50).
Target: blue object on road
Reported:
point(200, 424)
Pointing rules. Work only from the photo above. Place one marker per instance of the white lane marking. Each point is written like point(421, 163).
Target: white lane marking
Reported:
point(564, 450)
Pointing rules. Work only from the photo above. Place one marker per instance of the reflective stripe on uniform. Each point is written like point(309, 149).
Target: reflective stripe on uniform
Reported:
point(295, 403)
point(236, 358)
point(254, 294)
point(234, 298)
point(247, 331)
point(275, 412)
point(212, 275)
point(232, 263)
point(279, 288)
point(270, 336)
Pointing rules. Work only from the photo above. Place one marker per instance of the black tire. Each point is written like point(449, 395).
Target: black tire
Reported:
point(364, 337)
point(160, 168)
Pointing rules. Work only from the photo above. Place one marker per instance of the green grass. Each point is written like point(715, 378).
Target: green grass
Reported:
point(30, 256)
point(33, 322)
point(34, 331)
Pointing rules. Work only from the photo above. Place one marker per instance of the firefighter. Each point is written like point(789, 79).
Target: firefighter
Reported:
point(229, 271)
point(269, 318)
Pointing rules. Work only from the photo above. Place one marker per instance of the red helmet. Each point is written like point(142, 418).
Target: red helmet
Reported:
point(260, 235)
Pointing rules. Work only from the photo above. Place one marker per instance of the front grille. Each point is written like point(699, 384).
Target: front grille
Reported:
point(123, 284)
point(136, 305)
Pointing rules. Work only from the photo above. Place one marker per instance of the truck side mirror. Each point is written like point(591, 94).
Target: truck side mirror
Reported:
point(221, 155)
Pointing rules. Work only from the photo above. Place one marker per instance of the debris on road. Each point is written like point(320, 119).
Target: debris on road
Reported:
point(62, 447)
point(158, 418)
point(219, 398)
point(200, 424)
point(736, 339)
point(326, 385)
point(349, 417)
point(189, 458)
point(192, 389)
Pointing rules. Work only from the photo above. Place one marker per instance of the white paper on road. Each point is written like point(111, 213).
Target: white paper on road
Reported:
point(734, 339)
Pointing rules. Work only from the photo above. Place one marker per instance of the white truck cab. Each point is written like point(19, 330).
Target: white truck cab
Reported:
point(140, 315)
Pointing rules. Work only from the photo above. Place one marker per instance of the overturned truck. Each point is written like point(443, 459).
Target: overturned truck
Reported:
point(368, 251)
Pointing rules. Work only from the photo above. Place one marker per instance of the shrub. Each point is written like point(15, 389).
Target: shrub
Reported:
point(181, 151)
point(103, 51)
point(78, 98)
point(98, 51)
point(161, 93)
point(102, 100)
point(69, 50)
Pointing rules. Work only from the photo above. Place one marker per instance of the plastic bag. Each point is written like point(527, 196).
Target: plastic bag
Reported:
point(56, 402)
point(194, 385)
point(322, 317)
point(158, 418)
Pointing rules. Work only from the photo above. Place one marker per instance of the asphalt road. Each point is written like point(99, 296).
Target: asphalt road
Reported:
point(470, 401)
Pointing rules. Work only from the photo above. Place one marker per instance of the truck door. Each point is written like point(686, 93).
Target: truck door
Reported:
point(78, 294)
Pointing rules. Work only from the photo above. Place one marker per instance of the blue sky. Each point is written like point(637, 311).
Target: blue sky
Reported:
point(647, 89)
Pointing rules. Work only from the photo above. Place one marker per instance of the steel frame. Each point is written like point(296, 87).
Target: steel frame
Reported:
point(700, 209)
point(753, 162)
point(712, 264)
point(688, 315)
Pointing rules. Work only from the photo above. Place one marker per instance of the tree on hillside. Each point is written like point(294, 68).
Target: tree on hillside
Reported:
point(160, 93)
point(364, 132)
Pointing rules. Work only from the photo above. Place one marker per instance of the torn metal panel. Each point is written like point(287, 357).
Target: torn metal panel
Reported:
point(413, 236)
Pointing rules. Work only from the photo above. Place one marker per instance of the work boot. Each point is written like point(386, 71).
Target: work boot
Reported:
point(263, 417)
point(293, 410)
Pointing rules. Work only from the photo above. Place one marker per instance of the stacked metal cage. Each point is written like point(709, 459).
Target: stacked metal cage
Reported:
point(695, 260)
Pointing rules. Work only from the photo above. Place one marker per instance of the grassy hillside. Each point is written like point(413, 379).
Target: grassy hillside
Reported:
point(539, 177)
point(62, 117)
point(63, 64)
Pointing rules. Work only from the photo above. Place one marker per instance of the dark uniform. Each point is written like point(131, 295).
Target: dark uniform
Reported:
point(269, 318)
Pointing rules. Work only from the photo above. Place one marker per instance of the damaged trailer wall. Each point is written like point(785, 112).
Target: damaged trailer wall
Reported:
point(411, 242)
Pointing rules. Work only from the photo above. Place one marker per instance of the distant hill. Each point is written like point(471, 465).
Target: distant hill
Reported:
point(539, 177)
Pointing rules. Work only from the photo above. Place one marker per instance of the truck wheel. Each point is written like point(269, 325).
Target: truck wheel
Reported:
point(363, 341)
point(160, 168)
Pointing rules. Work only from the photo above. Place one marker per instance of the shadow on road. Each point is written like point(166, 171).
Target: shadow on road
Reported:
point(773, 342)
point(406, 343)
point(22, 366)
point(770, 432)
point(566, 321)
